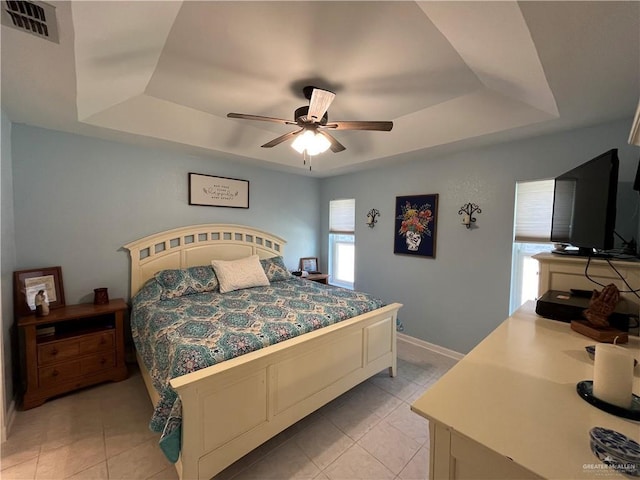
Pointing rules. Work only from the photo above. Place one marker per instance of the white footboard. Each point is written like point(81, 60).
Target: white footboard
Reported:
point(231, 408)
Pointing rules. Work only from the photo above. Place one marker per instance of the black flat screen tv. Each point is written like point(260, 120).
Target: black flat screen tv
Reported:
point(584, 206)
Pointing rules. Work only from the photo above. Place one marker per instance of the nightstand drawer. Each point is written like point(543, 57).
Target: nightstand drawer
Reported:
point(62, 372)
point(58, 351)
point(48, 376)
point(97, 342)
point(96, 363)
point(67, 349)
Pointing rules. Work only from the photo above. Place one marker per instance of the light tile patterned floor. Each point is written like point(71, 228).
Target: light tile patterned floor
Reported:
point(102, 433)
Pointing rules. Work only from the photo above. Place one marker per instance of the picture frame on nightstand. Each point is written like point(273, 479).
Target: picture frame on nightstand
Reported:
point(27, 283)
point(309, 264)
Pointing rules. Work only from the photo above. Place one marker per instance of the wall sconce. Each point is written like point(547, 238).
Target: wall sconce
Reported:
point(467, 212)
point(372, 217)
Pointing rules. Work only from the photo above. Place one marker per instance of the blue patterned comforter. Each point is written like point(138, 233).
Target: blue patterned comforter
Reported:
point(181, 335)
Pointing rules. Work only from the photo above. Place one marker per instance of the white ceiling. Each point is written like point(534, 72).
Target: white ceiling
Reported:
point(450, 75)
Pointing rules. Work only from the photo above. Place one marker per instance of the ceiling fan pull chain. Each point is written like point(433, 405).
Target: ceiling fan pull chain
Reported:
point(306, 157)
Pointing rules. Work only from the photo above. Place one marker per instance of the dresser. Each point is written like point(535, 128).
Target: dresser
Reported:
point(509, 409)
point(72, 347)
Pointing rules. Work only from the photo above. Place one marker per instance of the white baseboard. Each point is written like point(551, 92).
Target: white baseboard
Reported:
point(416, 342)
point(8, 421)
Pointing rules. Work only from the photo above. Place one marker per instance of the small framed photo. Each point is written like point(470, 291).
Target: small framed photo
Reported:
point(309, 264)
point(218, 191)
point(27, 283)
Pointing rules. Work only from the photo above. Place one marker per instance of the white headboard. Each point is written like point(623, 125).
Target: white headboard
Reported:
point(197, 245)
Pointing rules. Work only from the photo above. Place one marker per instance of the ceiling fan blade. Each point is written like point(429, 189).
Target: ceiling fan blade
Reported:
point(336, 146)
point(244, 116)
point(319, 104)
point(356, 125)
point(281, 138)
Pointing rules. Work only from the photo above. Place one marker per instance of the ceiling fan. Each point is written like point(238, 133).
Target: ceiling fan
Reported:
point(312, 136)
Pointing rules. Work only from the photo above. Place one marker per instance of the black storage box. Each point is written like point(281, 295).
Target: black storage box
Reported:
point(563, 306)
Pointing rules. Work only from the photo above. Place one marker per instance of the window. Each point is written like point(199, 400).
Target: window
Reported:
point(524, 275)
point(532, 230)
point(534, 206)
point(342, 218)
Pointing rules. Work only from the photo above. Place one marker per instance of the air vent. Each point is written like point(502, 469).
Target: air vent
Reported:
point(37, 18)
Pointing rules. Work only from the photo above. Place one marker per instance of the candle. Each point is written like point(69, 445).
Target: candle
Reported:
point(466, 219)
point(613, 375)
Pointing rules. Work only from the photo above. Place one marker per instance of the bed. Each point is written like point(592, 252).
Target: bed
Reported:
point(232, 407)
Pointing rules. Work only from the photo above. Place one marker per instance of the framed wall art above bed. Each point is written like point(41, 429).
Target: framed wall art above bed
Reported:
point(218, 191)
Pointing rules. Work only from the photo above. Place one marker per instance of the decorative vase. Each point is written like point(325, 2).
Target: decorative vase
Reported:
point(413, 241)
point(100, 296)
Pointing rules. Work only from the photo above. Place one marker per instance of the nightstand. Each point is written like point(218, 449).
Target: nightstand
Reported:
point(318, 277)
point(72, 347)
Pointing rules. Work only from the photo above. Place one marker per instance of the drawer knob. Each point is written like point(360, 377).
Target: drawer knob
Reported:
point(55, 373)
point(103, 361)
point(54, 352)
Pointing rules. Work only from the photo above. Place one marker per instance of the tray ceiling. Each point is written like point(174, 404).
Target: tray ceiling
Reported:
point(448, 74)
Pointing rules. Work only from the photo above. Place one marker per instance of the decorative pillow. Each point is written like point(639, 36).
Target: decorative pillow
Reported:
point(275, 269)
point(238, 274)
point(186, 281)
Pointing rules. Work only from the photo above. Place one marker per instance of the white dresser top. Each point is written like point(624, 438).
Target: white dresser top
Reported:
point(515, 393)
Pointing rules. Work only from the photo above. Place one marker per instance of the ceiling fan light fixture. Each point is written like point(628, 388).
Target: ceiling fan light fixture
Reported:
point(312, 136)
point(300, 143)
point(311, 142)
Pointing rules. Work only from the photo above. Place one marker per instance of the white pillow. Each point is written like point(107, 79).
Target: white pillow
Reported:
point(237, 274)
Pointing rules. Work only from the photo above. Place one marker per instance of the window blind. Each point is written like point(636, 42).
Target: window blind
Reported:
point(342, 216)
point(534, 209)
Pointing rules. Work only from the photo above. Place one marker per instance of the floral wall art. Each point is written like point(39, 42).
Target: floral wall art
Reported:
point(415, 225)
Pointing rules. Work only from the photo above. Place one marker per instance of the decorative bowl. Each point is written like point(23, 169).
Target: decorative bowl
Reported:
point(616, 450)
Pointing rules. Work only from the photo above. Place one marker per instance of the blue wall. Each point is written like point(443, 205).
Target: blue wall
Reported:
point(457, 298)
point(78, 200)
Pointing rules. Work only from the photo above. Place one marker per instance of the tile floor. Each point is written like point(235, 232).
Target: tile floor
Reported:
point(102, 433)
